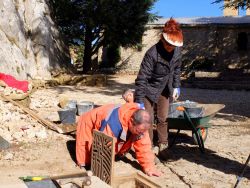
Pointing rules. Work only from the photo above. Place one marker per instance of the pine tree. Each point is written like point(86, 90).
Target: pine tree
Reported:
point(100, 23)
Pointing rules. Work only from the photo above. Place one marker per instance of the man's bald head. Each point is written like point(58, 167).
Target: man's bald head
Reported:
point(142, 117)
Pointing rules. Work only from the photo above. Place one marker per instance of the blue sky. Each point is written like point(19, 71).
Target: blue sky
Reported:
point(187, 8)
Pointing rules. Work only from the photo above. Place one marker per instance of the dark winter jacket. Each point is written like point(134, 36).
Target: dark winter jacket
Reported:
point(159, 73)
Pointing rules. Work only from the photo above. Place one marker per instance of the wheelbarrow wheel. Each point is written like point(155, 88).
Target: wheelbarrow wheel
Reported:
point(202, 131)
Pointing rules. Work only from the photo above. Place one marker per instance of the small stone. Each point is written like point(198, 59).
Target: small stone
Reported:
point(8, 156)
point(8, 137)
point(17, 135)
point(30, 133)
point(41, 134)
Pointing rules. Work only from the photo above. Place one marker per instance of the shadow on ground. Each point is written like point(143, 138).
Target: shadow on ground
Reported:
point(209, 159)
point(236, 102)
point(71, 146)
point(113, 88)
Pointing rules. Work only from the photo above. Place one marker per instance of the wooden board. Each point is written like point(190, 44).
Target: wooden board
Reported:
point(138, 179)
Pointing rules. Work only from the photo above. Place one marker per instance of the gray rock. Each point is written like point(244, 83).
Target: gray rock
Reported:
point(4, 144)
point(29, 40)
point(8, 156)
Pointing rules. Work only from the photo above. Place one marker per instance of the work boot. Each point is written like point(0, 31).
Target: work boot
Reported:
point(163, 152)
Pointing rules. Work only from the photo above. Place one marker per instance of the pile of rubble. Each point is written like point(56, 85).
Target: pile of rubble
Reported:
point(17, 126)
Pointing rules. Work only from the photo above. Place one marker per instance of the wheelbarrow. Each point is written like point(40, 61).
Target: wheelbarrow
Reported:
point(198, 125)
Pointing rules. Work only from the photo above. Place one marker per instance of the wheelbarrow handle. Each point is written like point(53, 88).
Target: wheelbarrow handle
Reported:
point(199, 139)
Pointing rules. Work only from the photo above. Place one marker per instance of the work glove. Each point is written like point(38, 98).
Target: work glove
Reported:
point(141, 105)
point(176, 93)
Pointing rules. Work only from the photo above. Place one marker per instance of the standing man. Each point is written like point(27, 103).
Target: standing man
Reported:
point(128, 124)
point(159, 79)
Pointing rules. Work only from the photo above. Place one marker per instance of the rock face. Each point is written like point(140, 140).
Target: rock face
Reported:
point(30, 42)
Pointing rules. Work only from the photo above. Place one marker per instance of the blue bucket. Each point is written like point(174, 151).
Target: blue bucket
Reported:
point(84, 106)
point(67, 115)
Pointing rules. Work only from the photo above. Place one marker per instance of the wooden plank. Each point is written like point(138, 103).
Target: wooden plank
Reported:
point(144, 179)
point(44, 122)
point(68, 128)
point(139, 180)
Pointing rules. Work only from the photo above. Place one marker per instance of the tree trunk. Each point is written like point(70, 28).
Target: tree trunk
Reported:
point(87, 62)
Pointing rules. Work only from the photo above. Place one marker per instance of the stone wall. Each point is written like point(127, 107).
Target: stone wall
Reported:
point(216, 44)
point(131, 57)
point(230, 11)
point(30, 42)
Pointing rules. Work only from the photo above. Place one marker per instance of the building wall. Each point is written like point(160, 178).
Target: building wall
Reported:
point(212, 44)
point(218, 44)
point(229, 11)
point(248, 12)
point(131, 57)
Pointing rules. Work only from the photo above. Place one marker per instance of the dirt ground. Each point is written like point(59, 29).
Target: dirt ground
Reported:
point(227, 145)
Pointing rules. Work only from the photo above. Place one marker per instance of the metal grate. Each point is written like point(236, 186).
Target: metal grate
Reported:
point(102, 156)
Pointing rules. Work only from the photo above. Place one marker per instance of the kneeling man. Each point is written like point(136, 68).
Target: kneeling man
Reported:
point(128, 124)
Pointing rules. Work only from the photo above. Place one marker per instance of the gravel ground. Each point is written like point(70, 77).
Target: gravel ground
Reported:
point(227, 144)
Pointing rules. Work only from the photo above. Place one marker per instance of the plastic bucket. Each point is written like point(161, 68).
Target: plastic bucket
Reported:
point(67, 115)
point(84, 106)
point(71, 104)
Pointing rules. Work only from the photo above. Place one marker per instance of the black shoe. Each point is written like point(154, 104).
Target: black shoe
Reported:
point(163, 152)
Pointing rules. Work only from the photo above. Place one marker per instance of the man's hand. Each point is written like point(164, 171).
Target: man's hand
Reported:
point(153, 172)
point(176, 93)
